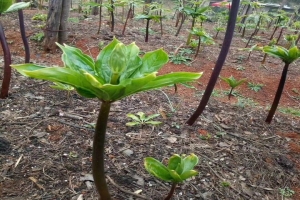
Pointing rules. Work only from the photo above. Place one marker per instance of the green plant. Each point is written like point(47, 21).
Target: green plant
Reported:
point(38, 37)
point(141, 119)
point(288, 56)
point(203, 37)
point(225, 184)
point(255, 86)
point(181, 57)
point(286, 192)
point(290, 111)
point(39, 17)
point(233, 83)
point(179, 169)
point(240, 68)
point(117, 72)
point(244, 102)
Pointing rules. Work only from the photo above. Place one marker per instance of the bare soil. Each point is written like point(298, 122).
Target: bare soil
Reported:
point(46, 135)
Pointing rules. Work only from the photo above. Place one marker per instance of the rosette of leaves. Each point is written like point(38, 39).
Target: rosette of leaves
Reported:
point(288, 56)
point(203, 37)
point(179, 169)
point(141, 119)
point(117, 72)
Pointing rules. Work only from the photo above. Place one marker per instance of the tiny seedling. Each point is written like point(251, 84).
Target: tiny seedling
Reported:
point(180, 58)
point(255, 86)
point(225, 184)
point(179, 169)
point(233, 83)
point(141, 119)
point(38, 37)
point(290, 111)
point(39, 17)
point(244, 102)
point(240, 68)
point(286, 192)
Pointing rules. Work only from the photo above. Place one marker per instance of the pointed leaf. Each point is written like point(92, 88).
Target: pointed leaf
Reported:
point(133, 123)
point(152, 62)
point(157, 169)
point(151, 117)
point(134, 117)
point(73, 58)
point(171, 78)
point(153, 122)
point(16, 6)
point(142, 116)
point(101, 66)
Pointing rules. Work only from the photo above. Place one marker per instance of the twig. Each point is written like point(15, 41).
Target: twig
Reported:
point(123, 190)
point(74, 125)
point(47, 174)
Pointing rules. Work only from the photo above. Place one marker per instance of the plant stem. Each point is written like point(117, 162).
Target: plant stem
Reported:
point(171, 191)
point(98, 151)
point(230, 93)
point(278, 93)
point(147, 30)
point(219, 64)
point(23, 34)
point(7, 62)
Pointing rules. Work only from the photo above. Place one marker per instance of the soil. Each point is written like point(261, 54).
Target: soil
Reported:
point(46, 135)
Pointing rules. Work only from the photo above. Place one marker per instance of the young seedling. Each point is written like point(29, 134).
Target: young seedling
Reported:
point(202, 37)
point(179, 169)
point(233, 83)
point(288, 56)
point(141, 119)
point(117, 72)
point(255, 86)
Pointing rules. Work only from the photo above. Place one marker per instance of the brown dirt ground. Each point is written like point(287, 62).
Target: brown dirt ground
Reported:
point(46, 134)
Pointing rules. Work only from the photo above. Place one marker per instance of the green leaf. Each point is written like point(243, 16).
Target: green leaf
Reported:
point(118, 59)
point(170, 79)
point(5, 4)
point(152, 62)
point(134, 117)
point(174, 161)
point(133, 123)
point(73, 58)
point(188, 174)
point(189, 162)
point(294, 54)
point(16, 6)
point(157, 169)
point(151, 117)
point(85, 93)
point(153, 122)
point(142, 116)
point(101, 66)
point(175, 176)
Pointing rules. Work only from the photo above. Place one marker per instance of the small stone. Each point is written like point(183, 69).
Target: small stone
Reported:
point(128, 152)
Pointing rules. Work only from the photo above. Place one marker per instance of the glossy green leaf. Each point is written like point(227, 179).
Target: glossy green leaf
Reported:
point(101, 65)
point(176, 177)
point(294, 54)
point(174, 161)
point(118, 59)
point(157, 169)
point(15, 7)
point(85, 93)
point(232, 82)
point(169, 79)
point(73, 58)
point(188, 174)
point(189, 162)
point(151, 62)
point(5, 4)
